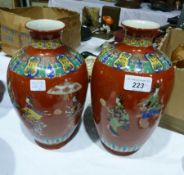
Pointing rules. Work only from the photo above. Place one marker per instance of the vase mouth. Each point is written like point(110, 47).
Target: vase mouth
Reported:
point(45, 25)
point(141, 24)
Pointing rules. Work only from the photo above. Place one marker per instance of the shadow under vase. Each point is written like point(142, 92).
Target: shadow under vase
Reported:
point(2, 90)
point(90, 125)
point(151, 147)
point(5, 103)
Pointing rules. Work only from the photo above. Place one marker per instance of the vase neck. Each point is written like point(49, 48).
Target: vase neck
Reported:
point(134, 40)
point(140, 33)
point(45, 40)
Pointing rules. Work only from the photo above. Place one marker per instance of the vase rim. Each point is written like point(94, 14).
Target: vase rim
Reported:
point(45, 25)
point(141, 24)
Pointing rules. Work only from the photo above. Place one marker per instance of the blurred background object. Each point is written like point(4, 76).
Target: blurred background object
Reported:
point(177, 56)
point(108, 22)
point(10, 3)
point(166, 5)
point(180, 22)
point(129, 3)
point(14, 35)
point(42, 3)
point(90, 17)
point(86, 33)
point(25, 3)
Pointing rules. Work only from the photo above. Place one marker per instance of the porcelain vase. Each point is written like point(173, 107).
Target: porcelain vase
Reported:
point(130, 85)
point(47, 84)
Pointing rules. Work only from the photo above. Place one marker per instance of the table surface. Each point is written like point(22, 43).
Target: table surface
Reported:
point(163, 153)
point(143, 13)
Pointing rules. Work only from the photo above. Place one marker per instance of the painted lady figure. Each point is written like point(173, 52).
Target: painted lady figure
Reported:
point(117, 116)
point(150, 109)
point(33, 118)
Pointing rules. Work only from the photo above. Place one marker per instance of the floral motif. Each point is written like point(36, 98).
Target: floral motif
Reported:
point(50, 71)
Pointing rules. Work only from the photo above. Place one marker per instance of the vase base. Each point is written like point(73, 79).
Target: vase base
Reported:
point(118, 153)
point(58, 145)
point(54, 146)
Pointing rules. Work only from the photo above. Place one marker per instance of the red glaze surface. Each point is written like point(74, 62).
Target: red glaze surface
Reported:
point(45, 102)
point(107, 83)
point(52, 119)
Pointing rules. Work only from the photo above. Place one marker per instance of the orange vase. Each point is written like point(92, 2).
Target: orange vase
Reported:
point(47, 84)
point(131, 84)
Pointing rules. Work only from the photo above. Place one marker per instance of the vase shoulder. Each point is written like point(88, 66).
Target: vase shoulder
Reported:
point(147, 61)
point(45, 65)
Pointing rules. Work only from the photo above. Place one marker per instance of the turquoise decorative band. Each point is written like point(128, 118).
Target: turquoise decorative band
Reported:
point(38, 67)
point(141, 63)
point(125, 148)
point(57, 140)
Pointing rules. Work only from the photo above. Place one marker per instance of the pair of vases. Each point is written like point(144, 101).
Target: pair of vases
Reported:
point(130, 86)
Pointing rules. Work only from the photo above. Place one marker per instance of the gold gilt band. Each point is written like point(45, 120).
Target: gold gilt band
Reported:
point(46, 44)
point(137, 41)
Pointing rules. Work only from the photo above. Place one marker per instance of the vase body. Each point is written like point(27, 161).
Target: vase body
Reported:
point(47, 84)
point(131, 84)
